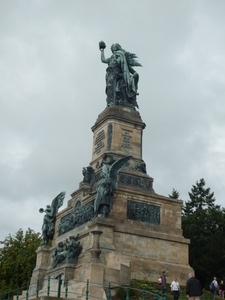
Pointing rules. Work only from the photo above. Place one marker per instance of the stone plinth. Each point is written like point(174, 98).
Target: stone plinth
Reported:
point(142, 234)
point(117, 131)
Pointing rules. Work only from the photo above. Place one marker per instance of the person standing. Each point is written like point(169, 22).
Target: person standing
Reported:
point(193, 288)
point(175, 289)
point(221, 289)
point(163, 286)
point(215, 284)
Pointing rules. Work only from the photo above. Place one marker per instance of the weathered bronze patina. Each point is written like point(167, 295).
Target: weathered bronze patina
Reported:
point(49, 218)
point(121, 78)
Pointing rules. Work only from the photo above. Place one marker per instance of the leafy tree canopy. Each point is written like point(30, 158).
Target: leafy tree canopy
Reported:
point(18, 259)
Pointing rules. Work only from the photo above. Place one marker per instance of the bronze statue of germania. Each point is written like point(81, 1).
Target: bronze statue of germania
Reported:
point(121, 78)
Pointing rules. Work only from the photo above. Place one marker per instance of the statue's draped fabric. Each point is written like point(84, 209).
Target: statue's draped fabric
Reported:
point(121, 78)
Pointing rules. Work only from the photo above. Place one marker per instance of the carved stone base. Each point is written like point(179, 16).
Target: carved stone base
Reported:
point(95, 251)
point(140, 237)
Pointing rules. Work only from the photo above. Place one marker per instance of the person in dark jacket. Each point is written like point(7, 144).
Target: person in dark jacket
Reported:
point(163, 286)
point(193, 288)
point(221, 289)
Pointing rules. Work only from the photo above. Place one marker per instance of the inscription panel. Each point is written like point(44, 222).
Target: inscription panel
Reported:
point(126, 139)
point(99, 142)
point(109, 140)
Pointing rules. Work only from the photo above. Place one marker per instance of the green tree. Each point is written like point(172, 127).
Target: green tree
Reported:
point(18, 259)
point(175, 194)
point(200, 198)
point(203, 222)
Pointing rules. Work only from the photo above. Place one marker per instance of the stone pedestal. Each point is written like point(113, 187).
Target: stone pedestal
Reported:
point(142, 234)
point(95, 273)
point(42, 265)
point(95, 250)
point(117, 131)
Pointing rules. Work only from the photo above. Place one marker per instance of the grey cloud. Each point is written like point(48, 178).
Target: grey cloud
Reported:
point(53, 90)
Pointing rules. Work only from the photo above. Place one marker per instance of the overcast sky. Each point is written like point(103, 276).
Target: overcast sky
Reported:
point(52, 89)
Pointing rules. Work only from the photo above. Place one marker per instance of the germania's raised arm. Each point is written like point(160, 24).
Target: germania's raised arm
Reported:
point(103, 59)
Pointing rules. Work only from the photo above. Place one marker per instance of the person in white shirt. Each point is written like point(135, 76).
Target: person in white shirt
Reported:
point(215, 288)
point(175, 289)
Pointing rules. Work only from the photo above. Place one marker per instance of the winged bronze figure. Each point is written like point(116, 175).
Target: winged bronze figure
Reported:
point(106, 186)
point(49, 218)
